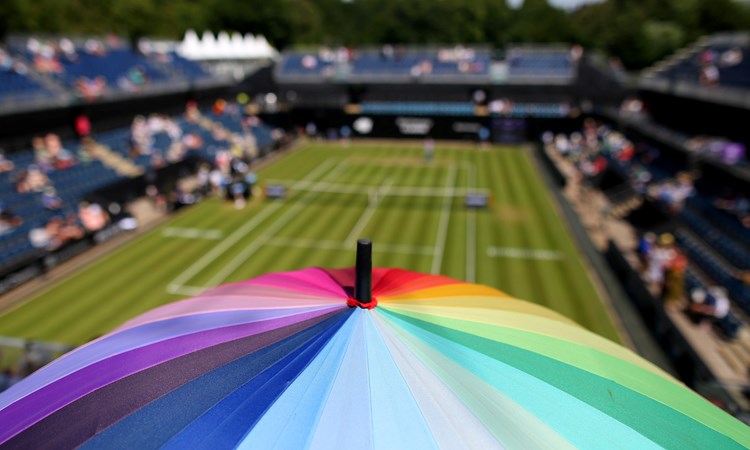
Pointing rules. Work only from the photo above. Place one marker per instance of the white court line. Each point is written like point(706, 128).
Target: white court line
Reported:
point(177, 286)
point(445, 213)
point(192, 233)
point(409, 191)
point(351, 240)
point(405, 249)
point(471, 246)
point(471, 229)
point(337, 245)
point(268, 233)
point(524, 253)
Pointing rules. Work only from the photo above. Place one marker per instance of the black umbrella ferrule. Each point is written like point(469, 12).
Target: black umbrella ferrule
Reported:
point(363, 272)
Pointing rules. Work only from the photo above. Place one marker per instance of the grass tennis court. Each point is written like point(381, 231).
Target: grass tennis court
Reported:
point(413, 211)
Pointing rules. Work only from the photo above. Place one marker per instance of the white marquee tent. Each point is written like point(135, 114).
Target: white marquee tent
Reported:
point(224, 47)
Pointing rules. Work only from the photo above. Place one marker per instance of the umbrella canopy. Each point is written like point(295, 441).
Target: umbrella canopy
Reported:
point(283, 361)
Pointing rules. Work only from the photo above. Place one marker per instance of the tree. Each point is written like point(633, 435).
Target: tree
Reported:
point(538, 21)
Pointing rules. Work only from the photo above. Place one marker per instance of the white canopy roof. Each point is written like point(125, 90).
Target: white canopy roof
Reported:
point(223, 46)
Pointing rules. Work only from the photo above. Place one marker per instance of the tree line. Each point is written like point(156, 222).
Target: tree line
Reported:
point(637, 31)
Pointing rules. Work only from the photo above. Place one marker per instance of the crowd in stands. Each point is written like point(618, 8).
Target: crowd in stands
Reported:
point(720, 61)
point(36, 192)
point(713, 62)
point(520, 63)
point(720, 149)
point(8, 64)
point(700, 270)
point(89, 67)
point(14, 78)
point(731, 153)
point(597, 147)
point(44, 187)
point(663, 266)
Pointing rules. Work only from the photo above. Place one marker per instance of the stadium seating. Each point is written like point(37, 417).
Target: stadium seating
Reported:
point(297, 63)
point(15, 82)
point(716, 270)
point(121, 67)
point(401, 63)
point(686, 65)
point(730, 325)
point(527, 64)
point(421, 63)
point(114, 66)
point(17, 87)
point(733, 251)
point(187, 69)
point(73, 183)
point(722, 220)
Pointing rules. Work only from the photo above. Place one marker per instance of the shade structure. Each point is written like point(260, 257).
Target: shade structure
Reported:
point(281, 361)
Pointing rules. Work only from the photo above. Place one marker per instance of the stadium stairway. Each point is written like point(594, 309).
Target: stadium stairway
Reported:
point(624, 200)
point(715, 266)
point(721, 220)
point(733, 252)
point(115, 161)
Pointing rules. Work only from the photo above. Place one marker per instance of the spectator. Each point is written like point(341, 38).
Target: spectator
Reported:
point(35, 179)
point(92, 216)
point(673, 193)
point(60, 157)
point(41, 155)
point(238, 191)
point(51, 200)
point(662, 254)
point(192, 113)
point(22, 182)
point(94, 47)
point(709, 75)
point(731, 57)
point(6, 62)
point(39, 237)
point(82, 126)
point(192, 141)
point(429, 149)
point(673, 293)
point(91, 88)
point(6, 165)
point(68, 49)
point(713, 305)
point(71, 230)
point(646, 246)
point(87, 150)
point(8, 220)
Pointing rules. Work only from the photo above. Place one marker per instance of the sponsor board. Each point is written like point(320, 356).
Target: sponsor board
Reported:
point(414, 125)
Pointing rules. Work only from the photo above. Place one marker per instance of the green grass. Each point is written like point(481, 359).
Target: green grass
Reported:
point(283, 235)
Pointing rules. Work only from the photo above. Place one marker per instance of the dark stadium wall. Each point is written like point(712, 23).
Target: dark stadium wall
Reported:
point(330, 121)
point(694, 117)
point(331, 95)
point(597, 86)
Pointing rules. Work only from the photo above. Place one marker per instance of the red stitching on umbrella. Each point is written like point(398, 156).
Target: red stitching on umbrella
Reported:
point(352, 302)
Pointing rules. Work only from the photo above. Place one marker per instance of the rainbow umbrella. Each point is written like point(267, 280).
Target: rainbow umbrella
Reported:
point(296, 360)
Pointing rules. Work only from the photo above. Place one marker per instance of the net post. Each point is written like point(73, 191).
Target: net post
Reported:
point(363, 272)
